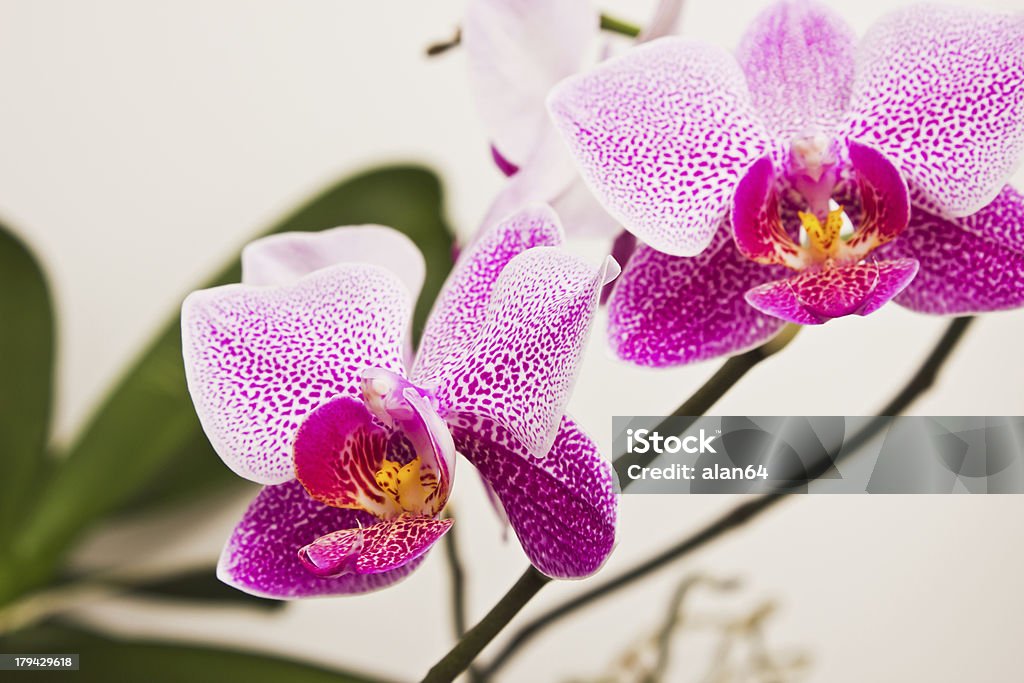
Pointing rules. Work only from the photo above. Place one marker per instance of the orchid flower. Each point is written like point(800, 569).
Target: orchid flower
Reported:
point(516, 51)
point(302, 378)
point(874, 171)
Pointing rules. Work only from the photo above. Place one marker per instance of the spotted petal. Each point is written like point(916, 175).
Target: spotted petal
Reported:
point(798, 57)
point(284, 258)
point(384, 547)
point(940, 90)
point(261, 557)
point(516, 51)
point(670, 310)
point(815, 297)
point(562, 507)
point(968, 265)
point(661, 135)
point(258, 360)
point(460, 310)
point(523, 362)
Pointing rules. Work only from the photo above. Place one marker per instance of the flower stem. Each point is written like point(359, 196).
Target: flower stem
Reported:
point(608, 23)
point(457, 576)
point(918, 384)
point(613, 25)
point(466, 650)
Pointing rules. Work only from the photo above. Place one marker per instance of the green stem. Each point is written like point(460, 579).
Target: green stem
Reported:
point(918, 384)
point(466, 650)
point(614, 25)
point(457, 578)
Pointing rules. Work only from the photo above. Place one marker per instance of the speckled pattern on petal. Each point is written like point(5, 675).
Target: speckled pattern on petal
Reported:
point(259, 359)
point(816, 296)
point(522, 366)
point(457, 317)
point(670, 310)
point(383, 547)
point(261, 556)
point(338, 451)
point(661, 135)
point(962, 272)
point(562, 507)
point(798, 57)
point(940, 90)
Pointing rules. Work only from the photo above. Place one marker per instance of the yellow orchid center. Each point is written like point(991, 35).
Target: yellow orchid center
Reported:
point(825, 239)
point(410, 486)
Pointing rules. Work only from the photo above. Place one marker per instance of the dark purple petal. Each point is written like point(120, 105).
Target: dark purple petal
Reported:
point(562, 506)
point(940, 91)
point(963, 271)
point(262, 555)
point(798, 57)
point(661, 135)
point(816, 296)
point(670, 310)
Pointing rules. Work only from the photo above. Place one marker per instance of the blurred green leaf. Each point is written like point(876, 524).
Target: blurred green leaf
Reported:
point(26, 376)
point(144, 443)
point(200, 585)
point(107, 659)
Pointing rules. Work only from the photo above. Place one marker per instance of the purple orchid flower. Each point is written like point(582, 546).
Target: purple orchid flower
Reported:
point(303, 380)
point(516, 51)
point(890, 157)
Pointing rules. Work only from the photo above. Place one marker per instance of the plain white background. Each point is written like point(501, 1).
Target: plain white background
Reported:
point(142, 143)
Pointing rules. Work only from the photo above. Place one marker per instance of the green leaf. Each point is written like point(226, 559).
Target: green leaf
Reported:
point(26, 377)
point(145, 435)
point(104, 659)
point(200, 585)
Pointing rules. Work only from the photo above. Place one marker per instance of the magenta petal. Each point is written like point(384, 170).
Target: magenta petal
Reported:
point(798, 57)
point(261, 557)
point(756, 221)
point(338, 451)
point(523, 362)
point(661, 135)
point(259, 359)
point(461, 307)
point(562, 507)
point(962, 271)
point(670, 310)
point(383, 547)
point(815, 297)
point(940, 90)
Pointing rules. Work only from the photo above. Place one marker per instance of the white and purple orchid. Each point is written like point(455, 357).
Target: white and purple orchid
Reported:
point(874, 170)
point(516, 51)
point(303, 381)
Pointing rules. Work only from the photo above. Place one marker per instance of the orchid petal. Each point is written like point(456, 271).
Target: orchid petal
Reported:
point(884, 201)
point(522, 366)
point(516, 51)
point(670, 310)
point(386, 546)
point(965, 270)
point(338, 452)
point(562, 507)
point(757, 222)
point(664, 22)
point(461, 307)
point(284, 258)
point(259, 360)
point(261, 556)
point(816, 296)
point(798, 57)
point(661, 135)
point(940, 91)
